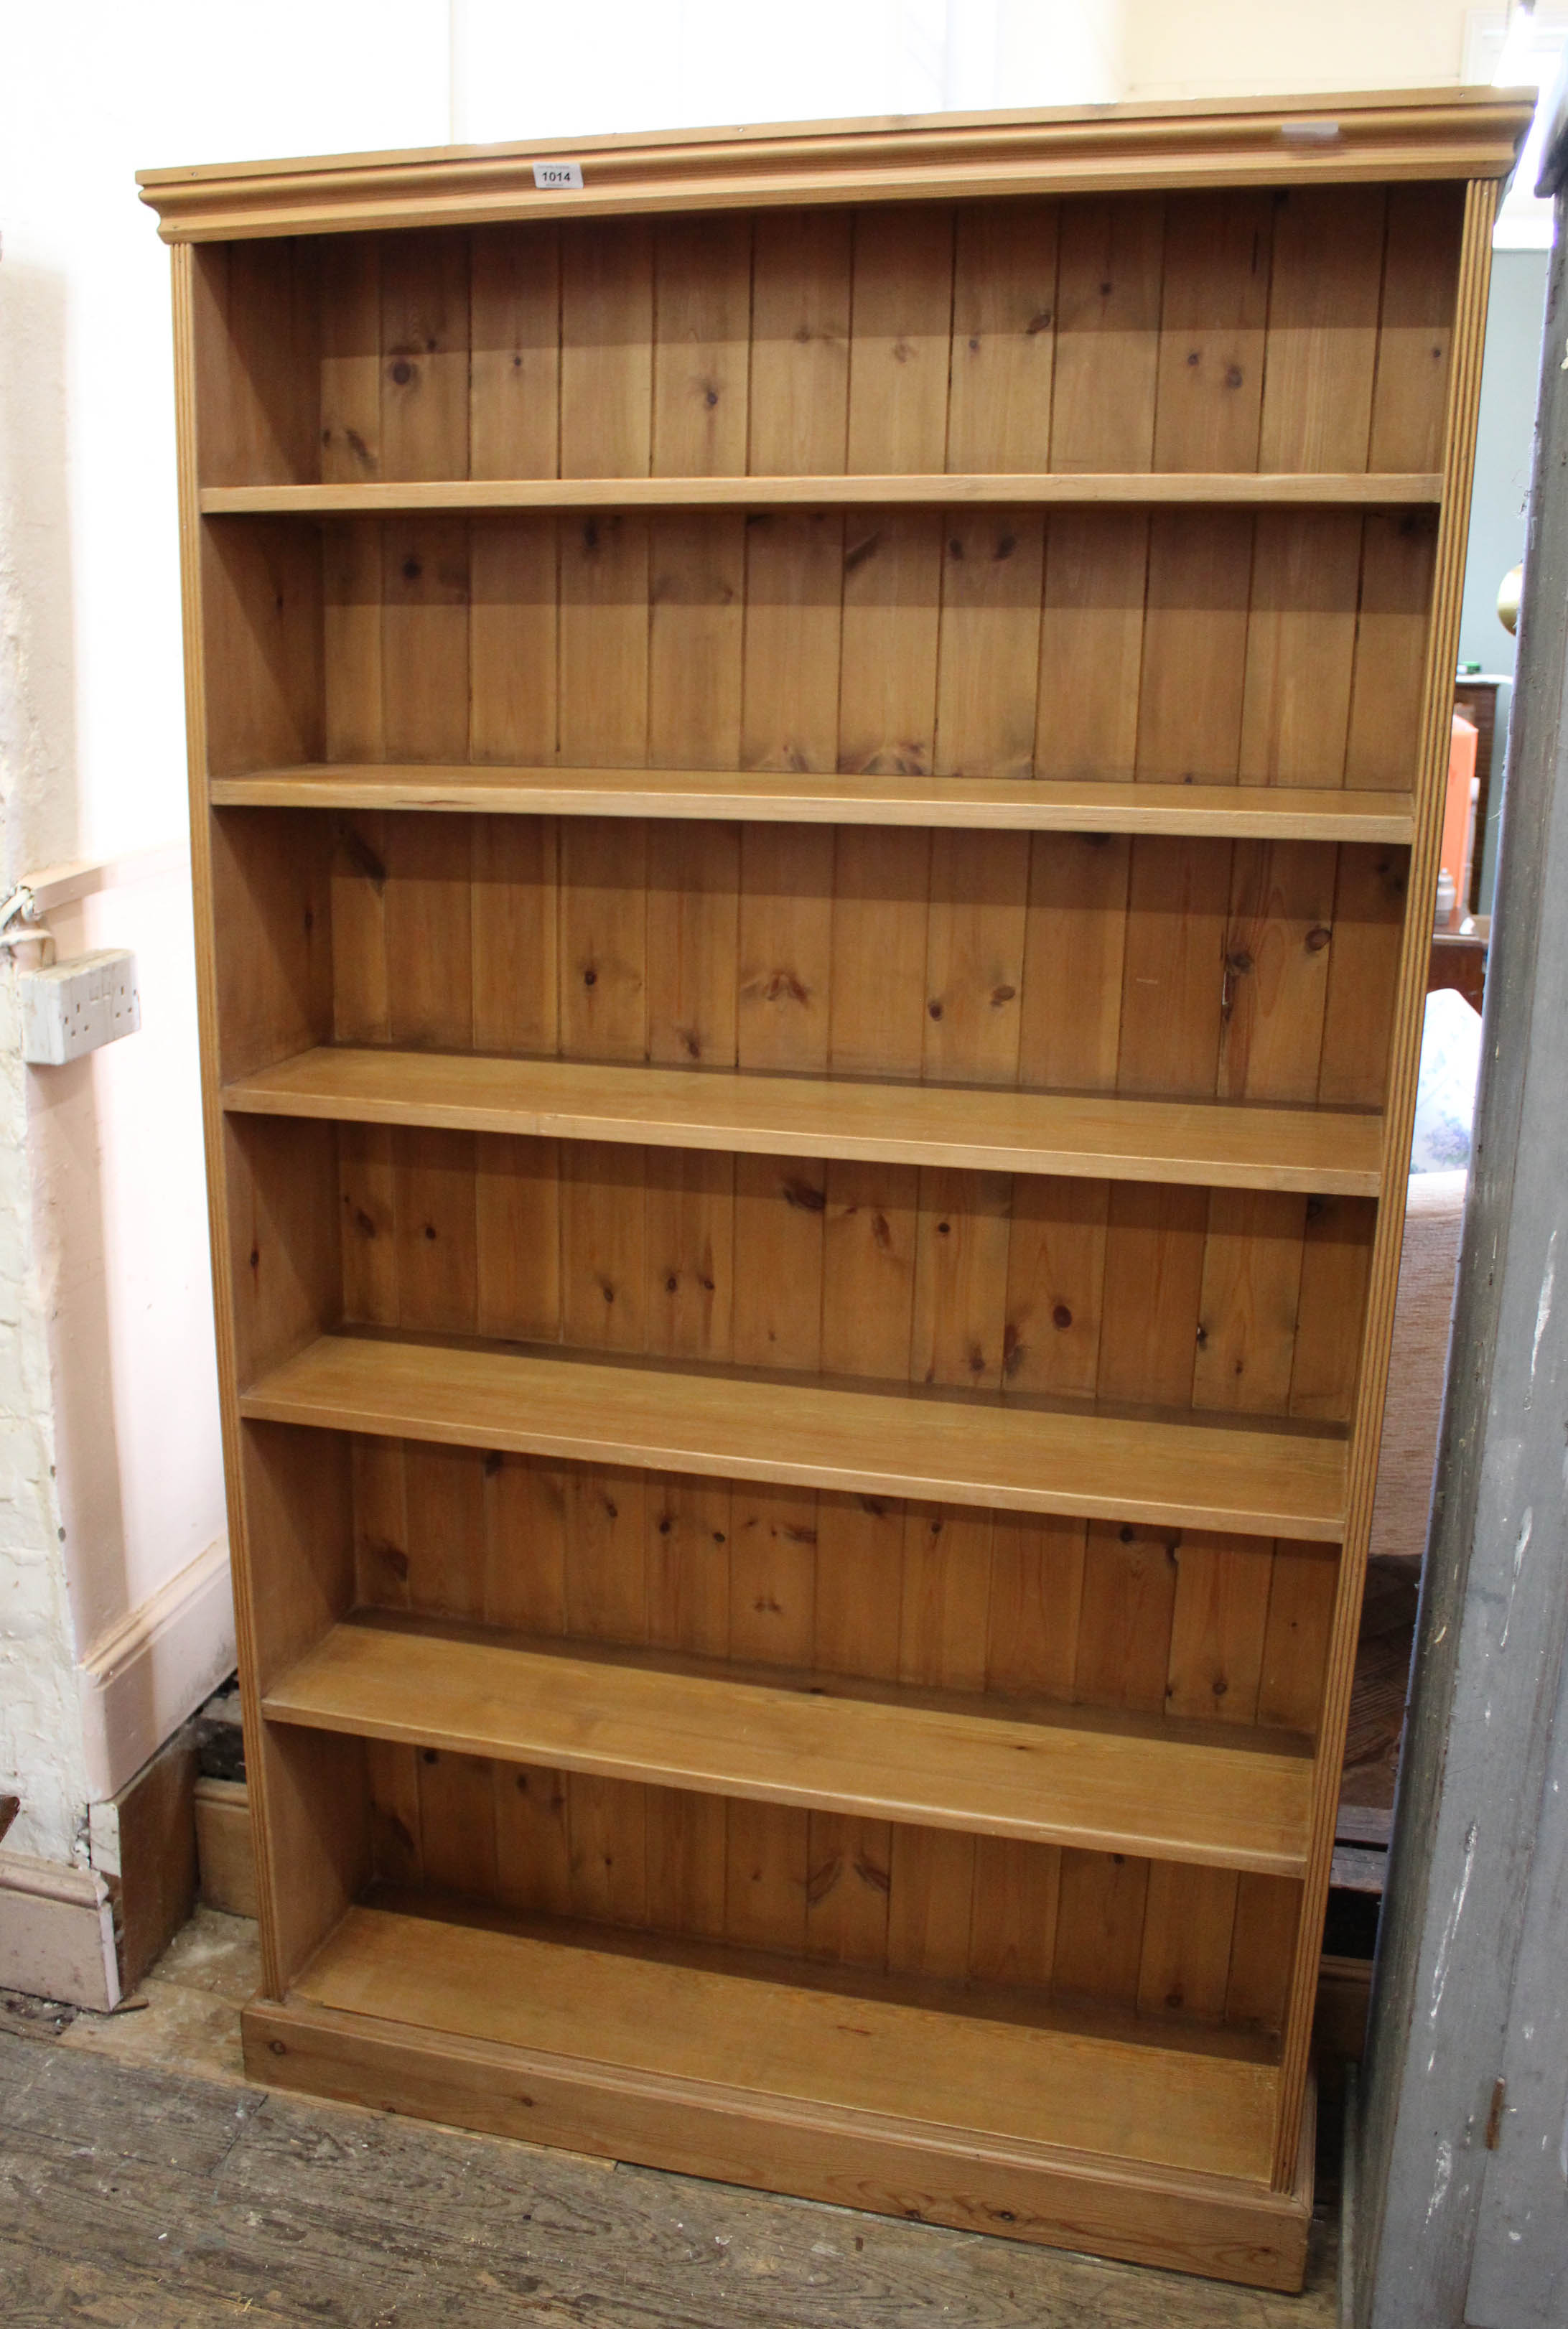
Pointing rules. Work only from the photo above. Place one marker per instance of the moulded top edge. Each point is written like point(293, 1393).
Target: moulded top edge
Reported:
point(1435, 133)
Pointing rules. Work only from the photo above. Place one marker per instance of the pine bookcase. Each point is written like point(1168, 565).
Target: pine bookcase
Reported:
point(815, 777)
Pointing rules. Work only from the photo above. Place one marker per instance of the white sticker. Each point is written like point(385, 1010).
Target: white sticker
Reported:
point(551, 174)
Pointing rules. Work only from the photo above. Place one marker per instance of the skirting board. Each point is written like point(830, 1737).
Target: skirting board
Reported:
point(141, 1681)
point(1187, 2223)
point(57, 1933)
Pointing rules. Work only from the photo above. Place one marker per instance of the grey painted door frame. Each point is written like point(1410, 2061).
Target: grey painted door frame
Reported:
point(1481, 1809)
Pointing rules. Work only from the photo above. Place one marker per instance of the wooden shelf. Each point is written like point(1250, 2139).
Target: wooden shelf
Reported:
point(1259, 1478)
point(1356, 487)
point(764, 797)
point(1207, 1144)
point(1223, 1798)
point(1173, 2097)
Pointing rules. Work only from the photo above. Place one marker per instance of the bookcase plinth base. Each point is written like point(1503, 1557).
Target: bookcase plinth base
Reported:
point(1223, 2229)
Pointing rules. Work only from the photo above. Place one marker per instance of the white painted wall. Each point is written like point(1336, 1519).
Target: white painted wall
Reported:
point(119, 1230)
point(105, 1354)
point(534, 70)
point(1212, 48)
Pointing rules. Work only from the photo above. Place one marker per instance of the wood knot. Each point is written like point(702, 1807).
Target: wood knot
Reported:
point(820, 1881)
point(363, 857)
point(1318, 939)
point(1062, 1317)
point(402, 372)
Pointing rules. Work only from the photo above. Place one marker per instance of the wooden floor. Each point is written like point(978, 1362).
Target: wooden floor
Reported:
point(144, 2185)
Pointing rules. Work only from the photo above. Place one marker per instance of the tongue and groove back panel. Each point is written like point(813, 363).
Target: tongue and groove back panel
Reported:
point(359, 652)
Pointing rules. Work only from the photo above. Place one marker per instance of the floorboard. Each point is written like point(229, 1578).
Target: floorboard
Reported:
point(144, 2185)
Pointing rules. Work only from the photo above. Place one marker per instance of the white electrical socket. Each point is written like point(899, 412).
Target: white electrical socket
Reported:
point(73, 1007)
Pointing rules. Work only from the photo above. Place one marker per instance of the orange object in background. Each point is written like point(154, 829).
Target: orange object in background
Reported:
point(1457, 819)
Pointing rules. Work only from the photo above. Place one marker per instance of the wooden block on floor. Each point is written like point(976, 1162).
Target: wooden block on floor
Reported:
point(225, 1862)
point(145, 1843)
point(1344, 1995)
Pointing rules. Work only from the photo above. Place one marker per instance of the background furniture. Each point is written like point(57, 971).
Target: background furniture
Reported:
point(1401, 1517)
point(806, 1223)
point(1477, 699)
point(1458, 959)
